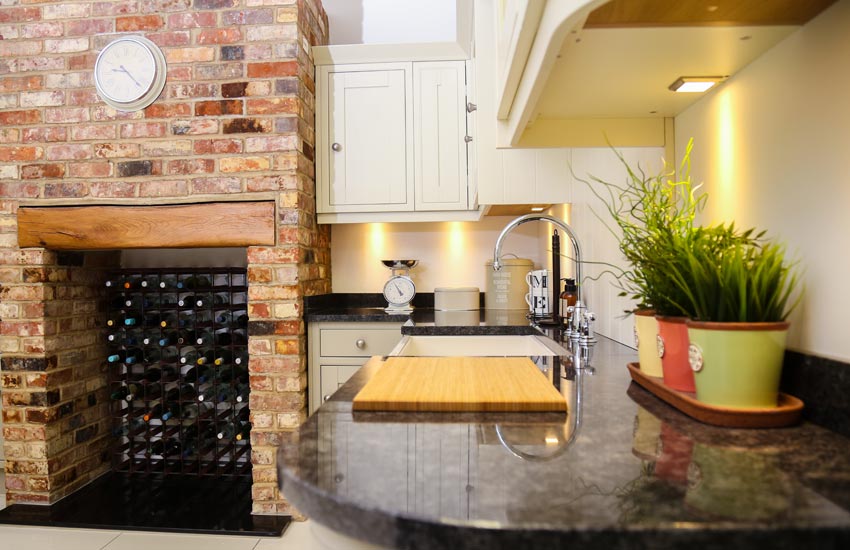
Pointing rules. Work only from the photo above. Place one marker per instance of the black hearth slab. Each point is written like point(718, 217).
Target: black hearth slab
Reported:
point(142, 503)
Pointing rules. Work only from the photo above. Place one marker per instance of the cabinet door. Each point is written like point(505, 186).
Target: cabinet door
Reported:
point(334, 376)
point(439, 122)
point(366, 138)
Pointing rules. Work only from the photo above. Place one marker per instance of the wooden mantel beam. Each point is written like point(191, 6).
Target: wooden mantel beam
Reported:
point(203, 225)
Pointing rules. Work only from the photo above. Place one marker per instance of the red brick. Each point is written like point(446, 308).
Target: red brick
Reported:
point(275, 143)
point(14, 48)
point(93, 131)
point(202, 186)
point(116, 150)
point(82, 61)
point(44, 134)
point(142, 129)
point(194, 127)
point(169, 39)
point(179, 91)
point(16, 15)
point(259, 311)
point(42, 30)
point(89, 27)
point(82, 97)
point(180, 72)
point(174, 188)
point(13, 118)
point(244, 164)
point(138, 23)
point(69, 152)
point(208, 146)
point(283, 402)
point(42, 171)
point(275, 292)
point(62, 190)
point(168, 110)
point(12, 154)
point(219, 107)
point(116, 7)
point(190, 166)
point(190, 55)
point(94, 169)
point(271, 69)
point(22, 83)
point(286, 105)
point(66, 115)
point(113, 189)
point(220, 36)
point(192, 20)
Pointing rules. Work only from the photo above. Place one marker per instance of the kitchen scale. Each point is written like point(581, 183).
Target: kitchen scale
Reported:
point(399, 289)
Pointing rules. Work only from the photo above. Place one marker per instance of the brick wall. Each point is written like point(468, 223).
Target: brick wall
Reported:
point(235, 117)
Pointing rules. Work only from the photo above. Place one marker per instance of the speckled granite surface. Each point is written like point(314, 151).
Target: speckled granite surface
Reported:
point(622, 470)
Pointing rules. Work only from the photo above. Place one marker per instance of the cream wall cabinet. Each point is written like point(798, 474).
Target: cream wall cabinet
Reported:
point(336, 350)
point(392, 137)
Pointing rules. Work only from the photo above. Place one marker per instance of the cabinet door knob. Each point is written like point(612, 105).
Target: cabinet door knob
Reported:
point(467, 138)
point(336, 147)
point(471, 107)
point(360, 343)
point(325, 398)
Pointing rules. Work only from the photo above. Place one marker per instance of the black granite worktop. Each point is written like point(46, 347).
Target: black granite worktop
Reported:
point(621, 470)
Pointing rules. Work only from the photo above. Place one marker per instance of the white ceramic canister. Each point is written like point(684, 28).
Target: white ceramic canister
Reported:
point(463, 298)
point(506, 288)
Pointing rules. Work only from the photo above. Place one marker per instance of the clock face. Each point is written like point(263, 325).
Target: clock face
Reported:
point(129, 73)
point(399, 290)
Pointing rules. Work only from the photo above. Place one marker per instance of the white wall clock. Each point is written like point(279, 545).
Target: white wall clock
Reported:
point(129, 73)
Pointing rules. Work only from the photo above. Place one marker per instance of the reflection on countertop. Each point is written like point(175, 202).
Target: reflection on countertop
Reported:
point(635, 474)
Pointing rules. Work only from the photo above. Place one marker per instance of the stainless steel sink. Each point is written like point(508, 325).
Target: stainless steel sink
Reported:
point(478, 345)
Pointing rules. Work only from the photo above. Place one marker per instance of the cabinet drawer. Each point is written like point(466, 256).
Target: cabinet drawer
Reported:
point(358, 342)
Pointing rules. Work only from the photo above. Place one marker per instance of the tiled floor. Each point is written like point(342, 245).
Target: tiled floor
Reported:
point(297, 537)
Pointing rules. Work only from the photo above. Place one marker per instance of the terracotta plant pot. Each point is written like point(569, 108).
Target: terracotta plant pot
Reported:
point(646, 339)
point(673, 349)
point(737, 364)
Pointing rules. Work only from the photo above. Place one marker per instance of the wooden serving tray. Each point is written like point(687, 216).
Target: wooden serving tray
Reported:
point(458, 384)
point(787, 411)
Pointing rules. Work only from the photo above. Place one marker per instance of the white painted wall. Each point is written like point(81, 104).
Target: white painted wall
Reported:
point(391, 21)
point(449, 253)
point(771, 145)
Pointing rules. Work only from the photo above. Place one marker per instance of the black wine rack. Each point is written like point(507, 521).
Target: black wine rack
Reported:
point(178, 371)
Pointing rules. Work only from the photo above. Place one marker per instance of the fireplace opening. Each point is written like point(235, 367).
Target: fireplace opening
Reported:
point(149, 425)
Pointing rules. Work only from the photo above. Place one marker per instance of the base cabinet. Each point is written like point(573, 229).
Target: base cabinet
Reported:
point(336, 350)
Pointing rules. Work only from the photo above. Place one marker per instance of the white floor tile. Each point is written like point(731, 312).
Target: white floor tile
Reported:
point(53, 538)
point(297, 536)
point(173, 541)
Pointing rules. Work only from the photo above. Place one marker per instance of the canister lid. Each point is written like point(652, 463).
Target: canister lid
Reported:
point(457, 289)
point(511, 262)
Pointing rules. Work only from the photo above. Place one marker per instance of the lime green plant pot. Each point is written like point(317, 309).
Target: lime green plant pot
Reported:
point(737, 365)
point(646, 338)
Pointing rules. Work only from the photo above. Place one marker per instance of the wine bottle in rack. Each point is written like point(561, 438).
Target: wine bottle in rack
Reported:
point(227, 431)
point(238, 319)
point(242, 393)
point(240, 356)
point(196, 281)
point(188, 355)
point(120, 394)
point(128, 356)
point(149, 282)
point(198, 373)
point(205, 338)
point(154, 412)
point(168, 354)
point(191, 411)
point(244, 433)
point(171, 409)
point(170, 282)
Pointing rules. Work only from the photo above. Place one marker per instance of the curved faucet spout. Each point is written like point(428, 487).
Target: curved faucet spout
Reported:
point(497, 252)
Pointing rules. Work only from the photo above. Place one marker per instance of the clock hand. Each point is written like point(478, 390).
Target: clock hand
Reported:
point(122, 69)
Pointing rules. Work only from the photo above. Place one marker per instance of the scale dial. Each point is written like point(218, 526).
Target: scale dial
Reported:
point(399, 291)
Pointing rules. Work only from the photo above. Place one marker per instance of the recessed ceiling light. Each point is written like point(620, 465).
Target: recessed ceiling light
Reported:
point(694, 83)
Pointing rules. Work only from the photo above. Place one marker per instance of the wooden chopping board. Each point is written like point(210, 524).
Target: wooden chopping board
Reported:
point(456, 384)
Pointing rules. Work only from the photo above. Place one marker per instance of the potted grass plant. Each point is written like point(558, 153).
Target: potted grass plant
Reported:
point(738, 292)
point(654, 215)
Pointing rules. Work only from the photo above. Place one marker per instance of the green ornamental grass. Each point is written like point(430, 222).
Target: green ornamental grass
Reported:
point(716, 273)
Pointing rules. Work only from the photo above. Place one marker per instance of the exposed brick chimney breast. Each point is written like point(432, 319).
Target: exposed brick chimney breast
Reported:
point(235, 120)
